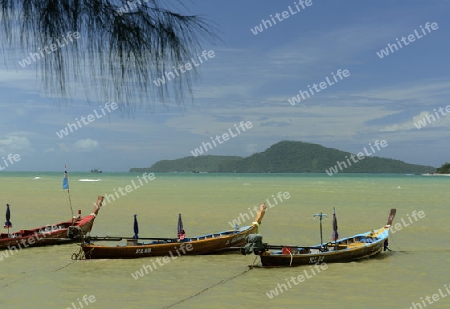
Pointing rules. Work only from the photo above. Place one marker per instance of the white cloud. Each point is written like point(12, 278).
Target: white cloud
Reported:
point(15, 144)
point(82, 145)
point(251, 148)
point(421, 90)
point(85, 145)
point(431, 121)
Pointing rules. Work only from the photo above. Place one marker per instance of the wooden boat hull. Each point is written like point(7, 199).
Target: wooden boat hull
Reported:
point(206, 244)
point(350, 249)
point(57, 234)
point(50, 234)
point(342, 250)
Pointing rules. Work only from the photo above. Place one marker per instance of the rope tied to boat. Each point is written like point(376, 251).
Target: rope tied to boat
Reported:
point(68, 264)
point(80, 255)
point(211, 286)
point(400, 250)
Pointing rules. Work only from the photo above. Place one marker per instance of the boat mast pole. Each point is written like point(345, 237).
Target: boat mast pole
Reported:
point(335, 233)
point(66, 186)
point(320, 217)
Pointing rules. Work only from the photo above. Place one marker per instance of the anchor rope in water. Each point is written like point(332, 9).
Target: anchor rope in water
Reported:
point(400, 250)
point(67, 265)
point(211, 286)
point(31, 275)
point(14, 281)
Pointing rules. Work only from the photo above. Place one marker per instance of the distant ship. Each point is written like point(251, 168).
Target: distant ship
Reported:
point(94, 170)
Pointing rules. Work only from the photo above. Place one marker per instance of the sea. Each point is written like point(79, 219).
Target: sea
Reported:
point(414, 274)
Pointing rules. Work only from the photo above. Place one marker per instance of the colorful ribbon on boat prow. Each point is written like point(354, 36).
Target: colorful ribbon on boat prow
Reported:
point(257, 226)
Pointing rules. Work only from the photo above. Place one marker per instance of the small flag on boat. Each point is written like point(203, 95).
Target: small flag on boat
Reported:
point(65, 184)
point(8, 223)
point(136, 227)
point(335, 234)
point(180, 230)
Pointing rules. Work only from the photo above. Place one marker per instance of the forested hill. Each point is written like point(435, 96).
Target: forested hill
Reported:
point(211, 164)
point(289, 157)
point(443, 169)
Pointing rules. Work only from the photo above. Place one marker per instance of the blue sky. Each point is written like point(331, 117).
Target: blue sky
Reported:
point(251, 79)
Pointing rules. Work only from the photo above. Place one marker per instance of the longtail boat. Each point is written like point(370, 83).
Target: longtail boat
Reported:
point(348, 249)
point(205, 244)
point(59, 233)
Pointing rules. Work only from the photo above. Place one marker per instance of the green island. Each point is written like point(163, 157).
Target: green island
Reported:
point(444, 169)
point(285, 157)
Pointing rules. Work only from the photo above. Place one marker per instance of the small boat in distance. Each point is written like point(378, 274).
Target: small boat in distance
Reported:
point(64, 232)
point(95, 170)
point(341, 250)
point(205, 244)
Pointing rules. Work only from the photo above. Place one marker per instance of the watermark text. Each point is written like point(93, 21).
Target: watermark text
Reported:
point(161, 260)
point(341, 165)
point(49, 49)
point(399, 226)
point(281, 287)
point(184, 68)
point(225, 137)
point(272, 21)
point(11, 159)
point(281, 197)
point(90, 118)
point(430, 117)
point(303, 95)
point(407, 40)
point(427, 300)
point(87, 301)
point(146, 177)
point(24, 243)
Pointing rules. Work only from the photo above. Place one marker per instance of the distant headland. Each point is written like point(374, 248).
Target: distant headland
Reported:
point(288, 157)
